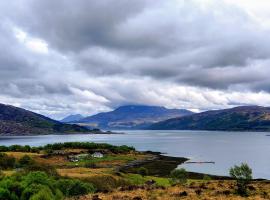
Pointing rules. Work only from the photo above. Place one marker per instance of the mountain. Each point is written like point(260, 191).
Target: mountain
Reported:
point(72, 118)
point(244, 118)
point(18, 121)
point(133, 117)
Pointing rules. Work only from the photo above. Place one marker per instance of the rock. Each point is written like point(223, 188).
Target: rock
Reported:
point(150, 182)
point(198, 192)
point(226, 192)
point(183, 194)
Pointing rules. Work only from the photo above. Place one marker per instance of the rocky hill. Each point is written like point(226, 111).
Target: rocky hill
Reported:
point(18, 121)
point(244, 118)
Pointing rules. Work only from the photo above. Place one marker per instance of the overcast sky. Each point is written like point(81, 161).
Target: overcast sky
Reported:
point(65, 57)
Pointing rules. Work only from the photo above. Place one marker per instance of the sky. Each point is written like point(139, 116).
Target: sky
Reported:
point(67, 57)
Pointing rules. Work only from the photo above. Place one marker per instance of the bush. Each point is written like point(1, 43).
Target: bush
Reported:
point(40, 186)
point(142, 171)
point(71, 187)
point(243, 176)
point(106, 182)
point(7, 162)
point(48, 169)
point(2, 175)
point(26, 161)
point(43, 194)
point(179, 176)
point(4, 194)
point(207, 178)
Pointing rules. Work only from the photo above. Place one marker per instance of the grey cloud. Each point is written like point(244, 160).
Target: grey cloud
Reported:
point(102, 54)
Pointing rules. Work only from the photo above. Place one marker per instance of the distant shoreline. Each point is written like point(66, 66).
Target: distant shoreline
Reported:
point(73, 133)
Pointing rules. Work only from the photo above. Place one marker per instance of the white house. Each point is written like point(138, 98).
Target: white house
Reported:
point(97, 155)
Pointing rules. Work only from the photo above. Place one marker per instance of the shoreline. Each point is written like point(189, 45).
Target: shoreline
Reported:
point(161, 165)
point(73, 133)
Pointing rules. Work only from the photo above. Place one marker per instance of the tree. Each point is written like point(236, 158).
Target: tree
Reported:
point(179, 176)
point(243, 176)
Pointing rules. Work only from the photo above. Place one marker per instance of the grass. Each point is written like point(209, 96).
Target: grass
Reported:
point(8, 172)
point(137, 179)
point(19, 155)
point(211, 190)
point(109, 160)
point(80, 172)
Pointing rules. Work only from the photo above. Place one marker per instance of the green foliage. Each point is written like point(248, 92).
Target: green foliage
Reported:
point(4, 194)
point(71, 187)
point(243, 176)
point(7, 162)
point(39, 186)
point(43, 194)
point(135, 179)
point(106, 182)
point(72, 145)
point(89, 145)
point(19, 148)
point(48, 169)
point(206, 177)
point(179, 176)
point(26, 161)
point(142, 171)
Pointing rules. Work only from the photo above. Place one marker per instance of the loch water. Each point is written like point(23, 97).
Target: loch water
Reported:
point(225, 149)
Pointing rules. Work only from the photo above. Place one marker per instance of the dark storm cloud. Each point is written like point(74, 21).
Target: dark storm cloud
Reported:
point(157, 39)
point(73, 26)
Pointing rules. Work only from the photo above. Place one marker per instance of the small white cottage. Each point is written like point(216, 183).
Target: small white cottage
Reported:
point(97, 155)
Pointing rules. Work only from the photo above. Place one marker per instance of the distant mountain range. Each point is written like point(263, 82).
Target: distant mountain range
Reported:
point(72, 118)
point(244, 118)
point(132, 117)
point(18, 121)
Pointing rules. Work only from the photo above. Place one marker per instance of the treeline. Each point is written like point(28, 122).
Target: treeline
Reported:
point(90, 146)
point(71, 145)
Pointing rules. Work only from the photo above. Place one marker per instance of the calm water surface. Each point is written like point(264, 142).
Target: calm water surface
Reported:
point(223, 148)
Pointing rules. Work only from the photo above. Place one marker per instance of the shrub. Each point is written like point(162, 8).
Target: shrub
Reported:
point(106, 182)
point(48, 169)
point(26, 161)
point(71, 187)
point(142, 171)
point(4, 194)
point(243, 176)
point(2, 175)
point(43, 194)
point(7, 162)
point(206, 177)
point(179, 176)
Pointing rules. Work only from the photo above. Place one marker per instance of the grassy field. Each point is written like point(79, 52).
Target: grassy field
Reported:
point(195, 190)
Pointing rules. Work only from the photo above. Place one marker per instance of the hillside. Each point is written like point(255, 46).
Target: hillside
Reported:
point(18, 121)
point(71, 118)
point(133, 117)
point(244, 118)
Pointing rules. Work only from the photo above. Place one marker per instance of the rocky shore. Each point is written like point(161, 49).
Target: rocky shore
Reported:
point(161, 165)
